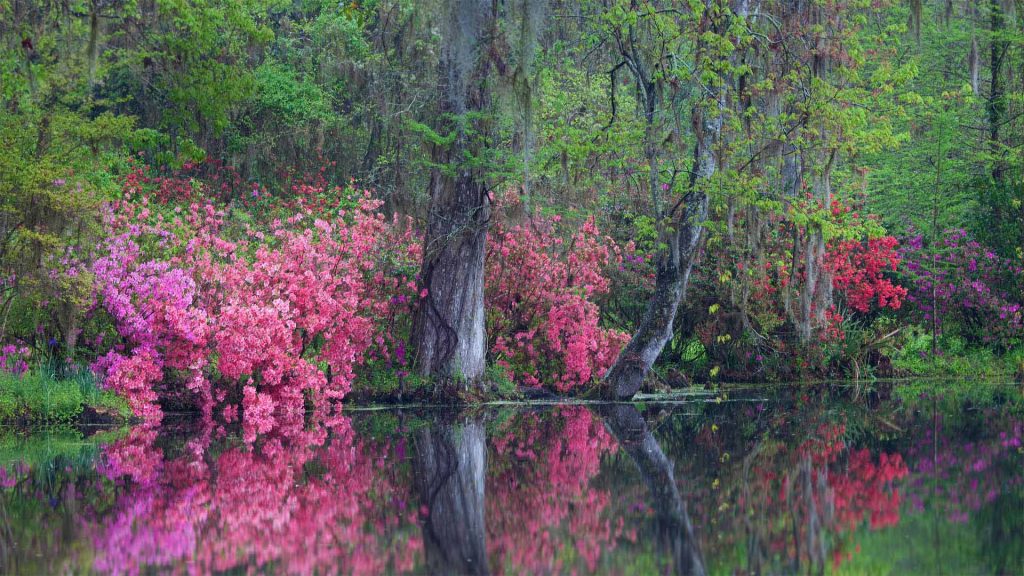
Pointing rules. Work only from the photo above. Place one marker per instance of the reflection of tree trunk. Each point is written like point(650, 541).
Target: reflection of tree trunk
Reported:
point(673, 527)
point(450, 463)
point(811, 506)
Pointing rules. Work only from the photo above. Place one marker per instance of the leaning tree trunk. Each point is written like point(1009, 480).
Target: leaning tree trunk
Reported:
point(676, 260)
point(451, 460)
point(673, 274)
point(673, 528)
point(449, 330)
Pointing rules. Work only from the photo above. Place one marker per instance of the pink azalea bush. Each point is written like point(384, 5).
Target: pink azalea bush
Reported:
point(268, 319)
point(959, 282)
point(543, 321)
point(252, 318)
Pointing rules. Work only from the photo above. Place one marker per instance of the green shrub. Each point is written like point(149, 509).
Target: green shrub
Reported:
point(501, 382)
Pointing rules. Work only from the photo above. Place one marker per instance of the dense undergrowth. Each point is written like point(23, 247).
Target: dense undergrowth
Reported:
point(256, 307)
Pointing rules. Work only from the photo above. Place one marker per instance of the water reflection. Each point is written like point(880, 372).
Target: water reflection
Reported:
point(450, 466)
point(767, 482)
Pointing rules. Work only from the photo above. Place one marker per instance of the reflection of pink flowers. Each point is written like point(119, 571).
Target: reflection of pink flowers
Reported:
point(970, 464)
point(543, 500)
point(867, 488)
point(301, 503)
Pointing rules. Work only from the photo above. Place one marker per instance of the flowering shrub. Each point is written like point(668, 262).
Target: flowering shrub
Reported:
point(857, 272)
point(14, 358)
point(543, 321)
point(195, 181)
point(961, 282)
point(746, 305)
point(267, 319)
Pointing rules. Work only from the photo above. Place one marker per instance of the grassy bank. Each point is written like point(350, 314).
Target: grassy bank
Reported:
point(953, 357)
point(39, 398)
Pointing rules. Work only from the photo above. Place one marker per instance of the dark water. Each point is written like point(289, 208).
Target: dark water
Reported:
point(788, 480)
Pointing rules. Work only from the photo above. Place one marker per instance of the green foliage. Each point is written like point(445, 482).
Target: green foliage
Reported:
point(499, 379)
point(377, 380)
point(913, 356)
point(913, 122)
point(39, 399)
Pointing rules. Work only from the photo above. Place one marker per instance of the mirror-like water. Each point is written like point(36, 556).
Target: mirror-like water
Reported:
point(915, 479)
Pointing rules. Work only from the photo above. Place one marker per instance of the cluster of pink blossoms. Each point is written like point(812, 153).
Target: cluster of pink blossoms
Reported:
point(223, 316)
point(267, 320)
point(14, 358)
point(542, 317)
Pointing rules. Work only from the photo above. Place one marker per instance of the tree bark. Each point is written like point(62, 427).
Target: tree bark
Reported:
point(450, 464)
point(673, 526)
point(449, 330)
point(674, 265)
point(996, 105)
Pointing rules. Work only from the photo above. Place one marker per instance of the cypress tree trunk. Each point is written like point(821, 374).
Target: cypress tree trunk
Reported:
point(996, 105)
point(673, 275)
point(449, 330)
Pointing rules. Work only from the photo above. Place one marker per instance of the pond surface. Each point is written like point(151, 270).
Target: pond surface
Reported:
point(905, 479)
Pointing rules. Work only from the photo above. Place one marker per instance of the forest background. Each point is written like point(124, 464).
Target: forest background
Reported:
point(196, 194)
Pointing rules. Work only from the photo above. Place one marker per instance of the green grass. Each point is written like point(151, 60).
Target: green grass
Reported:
point(503, 386)
point(39, 398)
point(956, 358)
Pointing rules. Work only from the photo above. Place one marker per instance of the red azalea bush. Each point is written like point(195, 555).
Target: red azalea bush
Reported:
point(744, 305)
point(858, 268)
point(857, 263)
point(194, 182)
point(542, 318)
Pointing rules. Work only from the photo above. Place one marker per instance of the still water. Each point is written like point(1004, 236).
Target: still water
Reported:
point(906, 479)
